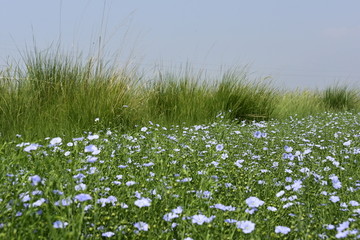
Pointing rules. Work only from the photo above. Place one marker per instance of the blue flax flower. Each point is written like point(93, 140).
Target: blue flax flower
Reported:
point(83, 197)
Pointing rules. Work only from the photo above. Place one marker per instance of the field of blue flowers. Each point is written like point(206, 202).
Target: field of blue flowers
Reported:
point(297, 178)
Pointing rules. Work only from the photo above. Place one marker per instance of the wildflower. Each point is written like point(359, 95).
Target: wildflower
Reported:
point(144, 129)
point(347, 143)
point(354, 203)
point(342, 234)
point(58, 192)
point(31, 147)
point(230, 220)
point(203, 194)
point(246, 226)
point(112, 199)
point(92, 149)
point(83, 197)
point(224, 156)
point(200, 219)
point(273, 209)
point(297, 185)
point(177, 210)
point(219, 147)
point(123, 205)
point(142, 226)
point(288, 179)
point(91, 159)
point(60, 224)
point(169, 216)
point(35, 180)
point(307, 151)
point(25, 197)
point(238, 163)
point(334, 199)
point(102, 201)
point(143, 202)
point(78, 139)
point(148, 164)
point(288, 149)
point(92, 170)
point(92, 137)
point(223, 207)
point(188, 179)
point(64, 202)
point(80, 187)
point(38, 203)
point(79, 176)
point(289, 204)
point(257, 134)
point(343, 226)
point(130, 183)
point(108, 234)
point(282, 229)
point(251, 211)
point(254, 202)
point(55, 141)
point(330, 227)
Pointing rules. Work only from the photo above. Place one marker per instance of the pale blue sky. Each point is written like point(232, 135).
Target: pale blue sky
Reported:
point(305, 44)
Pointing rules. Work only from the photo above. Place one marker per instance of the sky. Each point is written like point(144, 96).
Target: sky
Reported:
point(297, 44)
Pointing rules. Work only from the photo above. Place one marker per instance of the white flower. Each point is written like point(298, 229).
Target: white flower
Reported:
point(142, 226)
point(200, 219)
point(31, 147)
point(92, 137)
point(38, 203)
point(60, 224)
point(219, 147)
point(55, 141)
point(273, 209)
point(334, 199)
point(170, 216)
point(288, 149)
point(92, 148)
point(282, 229)
point(246, 226)
point(254, 202)
point(143, 202)
point(108, 234)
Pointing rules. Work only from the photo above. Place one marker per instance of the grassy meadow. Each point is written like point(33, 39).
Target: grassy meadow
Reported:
point(89, 151)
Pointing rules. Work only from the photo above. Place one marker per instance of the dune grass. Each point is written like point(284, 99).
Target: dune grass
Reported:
point(55, 94)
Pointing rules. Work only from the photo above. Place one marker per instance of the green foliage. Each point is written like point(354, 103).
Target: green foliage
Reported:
point(340, 98)
point(55, 94)
point(242, 99)
point(302, 172)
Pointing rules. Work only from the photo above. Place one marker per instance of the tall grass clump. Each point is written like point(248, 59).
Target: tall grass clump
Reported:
point(340, 98)
point(301, 103)
point(60, 93)
point(178, 99)
point(244, 99)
